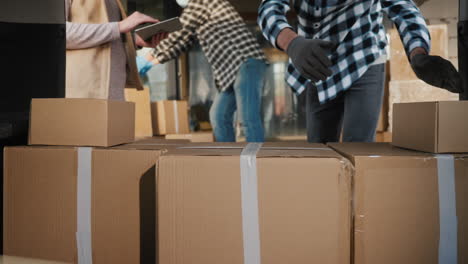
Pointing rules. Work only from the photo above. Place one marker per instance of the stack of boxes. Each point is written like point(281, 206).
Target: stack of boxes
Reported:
point(71, 196)
point(174, 202)
point(170, 119)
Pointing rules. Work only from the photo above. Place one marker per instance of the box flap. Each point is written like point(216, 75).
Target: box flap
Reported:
point(452, 126)
point(270, 149)
point(352, 150)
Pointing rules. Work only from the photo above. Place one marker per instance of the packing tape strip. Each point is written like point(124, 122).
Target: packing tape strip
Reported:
point(83, 234)
point(448, 242)
point(249, 197)
point(176, 116)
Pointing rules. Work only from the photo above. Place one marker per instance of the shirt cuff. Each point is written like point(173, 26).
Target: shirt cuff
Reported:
point(115, 30)
point(159, 56)
point(417, 43)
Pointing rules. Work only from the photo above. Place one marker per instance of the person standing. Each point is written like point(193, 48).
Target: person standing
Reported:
point(337, 56)
point(236, 59)
point(101, 57)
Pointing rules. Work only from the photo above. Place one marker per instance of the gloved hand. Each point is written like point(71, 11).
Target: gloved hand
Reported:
point(309, 56)
point(143, 65)
point(437, 71)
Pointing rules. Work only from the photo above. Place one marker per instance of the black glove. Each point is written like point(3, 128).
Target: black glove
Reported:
point(309, 56)
point(438, 72)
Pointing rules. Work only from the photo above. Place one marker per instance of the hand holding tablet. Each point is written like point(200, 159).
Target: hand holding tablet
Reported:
point(166, 26)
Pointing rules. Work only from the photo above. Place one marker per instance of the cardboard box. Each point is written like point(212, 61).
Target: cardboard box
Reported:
point(396, 205)
point(438, 127)
point(18, 260)
point(143, 123)
point(193, 137)
point(81, 122)
point(170, 117)
point(400, 68)
point(303, 203)
point(415, 91)
point(56, 195)
point(383, 137)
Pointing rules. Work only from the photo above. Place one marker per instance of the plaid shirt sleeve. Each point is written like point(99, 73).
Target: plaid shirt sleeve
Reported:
point(194, 15)
point(272, 19)
point(410, 24)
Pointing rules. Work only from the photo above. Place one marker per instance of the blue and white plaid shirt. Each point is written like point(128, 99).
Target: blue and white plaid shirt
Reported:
point(355, 25)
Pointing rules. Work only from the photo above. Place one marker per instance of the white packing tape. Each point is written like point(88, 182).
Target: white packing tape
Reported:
point(83, 234)
point(448, 242)
point(176, 116)
point(249, 197)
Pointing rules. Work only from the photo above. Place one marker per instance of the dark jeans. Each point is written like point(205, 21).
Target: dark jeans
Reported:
point(355, 112)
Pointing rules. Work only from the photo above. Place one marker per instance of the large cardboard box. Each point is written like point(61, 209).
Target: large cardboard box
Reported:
point(438, 127)
point(19, 260)
point(170, 117)
point(400, 68)
point(196, 137)
point(415, 91)
point(81, 122)
point(103, 198)
point(407, 205)
point(224, 204)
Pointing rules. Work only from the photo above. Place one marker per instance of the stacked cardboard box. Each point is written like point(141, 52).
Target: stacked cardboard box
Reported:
point(223, 203)
point(78, 202)
point(143, 121)
point(409, 207)
point(170, 117)
point(437, 127)
point(68, 204)
point(81, 122)
point(196, 137)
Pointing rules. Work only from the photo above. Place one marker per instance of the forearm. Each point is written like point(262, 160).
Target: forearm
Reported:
point(273, 23)
point(410, 24)
point(82, 36)
point(285, 37)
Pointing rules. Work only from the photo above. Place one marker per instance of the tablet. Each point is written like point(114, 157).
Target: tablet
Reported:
point(168, 26)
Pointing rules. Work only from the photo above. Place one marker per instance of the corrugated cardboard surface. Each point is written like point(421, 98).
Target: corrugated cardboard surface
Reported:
point(143, 126)
point(436, 127)
point(18, 260)
point(304, 205)
point(400, 68)
point(194, 137)
point(121, 123)
point(164, 119)
point(415, 126)
point(453, 127)
point(415, 91)
point(81, 122)
point(396, 204)
point(41, 204)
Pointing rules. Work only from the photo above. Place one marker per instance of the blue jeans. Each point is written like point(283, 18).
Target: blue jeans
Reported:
point(245, 96)
point(356, 111)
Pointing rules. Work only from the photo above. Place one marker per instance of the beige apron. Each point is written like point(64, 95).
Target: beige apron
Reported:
point(88, 70)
